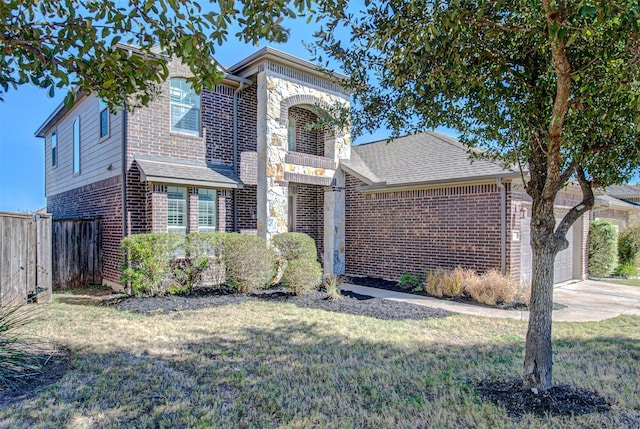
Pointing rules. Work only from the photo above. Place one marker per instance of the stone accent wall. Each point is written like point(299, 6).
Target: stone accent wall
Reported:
point(419, 230)
point(99, 200)
point(277, 96)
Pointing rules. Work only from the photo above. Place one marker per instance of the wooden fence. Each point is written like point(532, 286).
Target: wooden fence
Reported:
point(25, 258)
point(77, 253)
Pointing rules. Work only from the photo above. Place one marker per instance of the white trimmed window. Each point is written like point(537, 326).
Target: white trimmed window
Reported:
point(104, 119)
point(54, 148)
point(177, 209)
point(291, 133)
point(76, 146)
point(185, 108)
point(207, 210)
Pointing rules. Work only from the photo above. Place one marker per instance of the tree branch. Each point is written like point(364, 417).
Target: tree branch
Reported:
point(585, 205)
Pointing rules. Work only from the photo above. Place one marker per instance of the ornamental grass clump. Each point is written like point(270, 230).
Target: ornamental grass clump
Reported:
point(491, 288)
point(19, 354)
point(332, 286)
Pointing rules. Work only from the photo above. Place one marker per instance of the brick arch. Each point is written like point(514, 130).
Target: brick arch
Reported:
point(295, 100)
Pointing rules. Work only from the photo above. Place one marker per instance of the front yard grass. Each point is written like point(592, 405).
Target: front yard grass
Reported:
point(272, 364)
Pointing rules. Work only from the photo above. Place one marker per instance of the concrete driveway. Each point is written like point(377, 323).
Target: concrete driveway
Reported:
point(585, 301)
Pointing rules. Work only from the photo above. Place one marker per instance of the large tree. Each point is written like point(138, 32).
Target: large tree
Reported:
point(550, 85)
point(78, 44)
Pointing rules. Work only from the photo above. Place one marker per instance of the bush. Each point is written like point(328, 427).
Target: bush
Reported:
point(19, 357)
point(295, 245)
point(491, 288)
point(629, 246)
point(149, 258)
point(302, 275)
point(627, 269)
point(249, 263)
point(409, 281)
point(603, 246)
point(202, 261)
point(332, 286)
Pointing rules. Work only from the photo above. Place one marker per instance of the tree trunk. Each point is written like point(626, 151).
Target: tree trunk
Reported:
point(538, 360)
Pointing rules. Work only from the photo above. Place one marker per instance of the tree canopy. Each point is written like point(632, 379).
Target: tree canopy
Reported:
point(79, 44)
point(551, 85)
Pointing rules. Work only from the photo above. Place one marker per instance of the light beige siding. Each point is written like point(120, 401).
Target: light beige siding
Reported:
point(99, 158)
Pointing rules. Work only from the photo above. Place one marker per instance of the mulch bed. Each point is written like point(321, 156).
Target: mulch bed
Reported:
point(557, 401)
point(393, 286)
point(350, 303)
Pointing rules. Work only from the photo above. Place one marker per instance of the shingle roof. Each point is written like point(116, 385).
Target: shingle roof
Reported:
point(623, 191)
point(614, 203)
point(174, 171)
point(426, 158)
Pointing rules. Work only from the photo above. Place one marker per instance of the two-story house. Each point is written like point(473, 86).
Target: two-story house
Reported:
point(238, 157)
point(242, 157)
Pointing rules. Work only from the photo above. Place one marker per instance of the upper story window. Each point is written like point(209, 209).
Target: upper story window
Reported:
point(177, 209)
point(104, 119)
point(76, 146)
point(54, 148)
point(291, 132)
point(207, 219)
point(185, 108)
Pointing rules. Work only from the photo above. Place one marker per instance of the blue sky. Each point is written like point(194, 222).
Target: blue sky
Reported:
point(25, 109)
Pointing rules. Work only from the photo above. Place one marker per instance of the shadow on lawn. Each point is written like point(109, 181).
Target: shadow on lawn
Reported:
point(299, 375)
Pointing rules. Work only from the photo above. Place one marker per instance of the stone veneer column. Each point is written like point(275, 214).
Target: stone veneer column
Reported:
point(334, 227)
point(275, 94)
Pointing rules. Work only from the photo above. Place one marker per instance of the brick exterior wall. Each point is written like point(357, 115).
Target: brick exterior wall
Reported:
point(310, 213)
point(419, 230)
point(99, 200)
point(309, 141)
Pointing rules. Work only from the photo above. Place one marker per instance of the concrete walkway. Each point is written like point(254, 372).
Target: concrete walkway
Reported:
point(585, 301)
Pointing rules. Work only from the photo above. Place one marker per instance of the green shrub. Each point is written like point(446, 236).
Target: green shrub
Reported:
point(295, 245)
point(19, 354)
point(249, 263)
point(202, 261)
point(603, 246)
point(409, 281)
point(629, 246)
point(148, 266)
point(627, 269)
point(332, 286)
point(302, 275)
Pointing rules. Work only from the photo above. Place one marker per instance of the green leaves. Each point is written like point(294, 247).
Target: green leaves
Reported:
point(79, 43)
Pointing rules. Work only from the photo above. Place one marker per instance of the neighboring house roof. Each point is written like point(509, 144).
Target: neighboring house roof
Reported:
point(623, 191)
point(180, 172)
point(607, 201)
point(427, 158)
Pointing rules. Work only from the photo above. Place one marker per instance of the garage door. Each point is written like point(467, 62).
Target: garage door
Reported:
point(563, 268)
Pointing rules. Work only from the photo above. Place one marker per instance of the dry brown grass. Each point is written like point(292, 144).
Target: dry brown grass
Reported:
point(491, 288)
point(275, 365)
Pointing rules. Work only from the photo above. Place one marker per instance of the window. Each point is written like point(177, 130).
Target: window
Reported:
point(54, 148)
point(292, 134)
point(207, 219)
point(104, 119)
point(291, 211)
point(177, 209)
point(185, 108)
point(76, 146)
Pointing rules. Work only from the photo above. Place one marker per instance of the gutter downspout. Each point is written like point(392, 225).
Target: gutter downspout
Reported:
point(123, 167)
point(503, 225)
point(235, 151)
